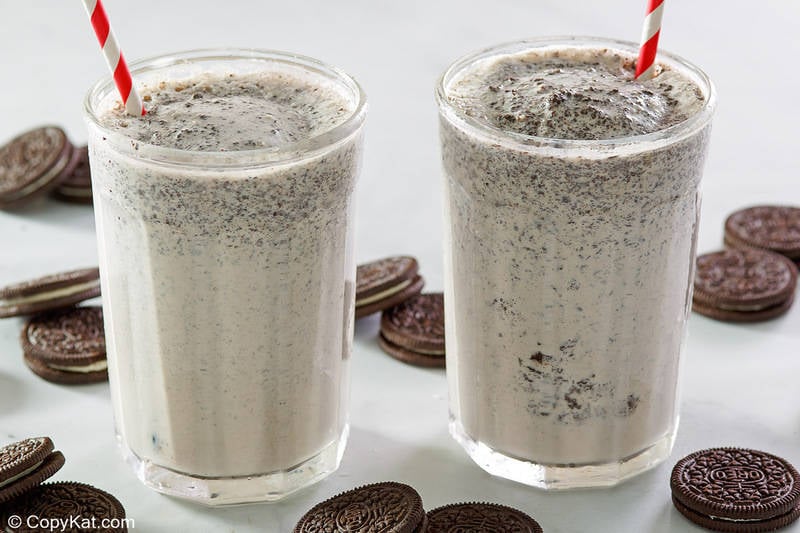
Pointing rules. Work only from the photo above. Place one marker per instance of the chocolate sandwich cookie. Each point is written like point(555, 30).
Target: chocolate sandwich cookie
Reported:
point(50, 292)
point(77, 185)
point(67, 346)
point(743, 285)
point(76, 504)
point(736, 490)
point(768, 227)
point(25, 464)
point(413, 331)
point(480, 518)
point(384, 283)
point(32, 164)
point(387, 507)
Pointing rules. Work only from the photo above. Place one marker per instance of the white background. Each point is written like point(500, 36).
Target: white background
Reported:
point(740, 382)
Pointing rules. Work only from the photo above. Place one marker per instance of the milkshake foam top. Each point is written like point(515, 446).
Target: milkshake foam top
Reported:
point(573, 93)
point(217, 112)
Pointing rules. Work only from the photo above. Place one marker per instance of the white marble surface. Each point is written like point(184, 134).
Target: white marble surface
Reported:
point(740, 382)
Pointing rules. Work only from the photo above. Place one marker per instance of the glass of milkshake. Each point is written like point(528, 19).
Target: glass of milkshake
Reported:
point(572, 197)
point(225, 230)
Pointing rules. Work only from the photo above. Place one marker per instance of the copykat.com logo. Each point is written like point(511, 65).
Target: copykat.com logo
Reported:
point(68, 523)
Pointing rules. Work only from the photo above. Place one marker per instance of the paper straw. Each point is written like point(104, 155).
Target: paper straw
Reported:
point(108, 42)
point(645, 66)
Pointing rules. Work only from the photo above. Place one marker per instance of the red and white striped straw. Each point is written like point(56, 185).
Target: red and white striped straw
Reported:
point(645, 66)
point(122, 76)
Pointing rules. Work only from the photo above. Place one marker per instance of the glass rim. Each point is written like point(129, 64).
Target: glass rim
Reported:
point(260, 157)
point(525, 142)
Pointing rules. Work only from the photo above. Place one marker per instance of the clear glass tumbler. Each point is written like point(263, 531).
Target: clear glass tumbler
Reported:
point(228, 293)
point(568, 286)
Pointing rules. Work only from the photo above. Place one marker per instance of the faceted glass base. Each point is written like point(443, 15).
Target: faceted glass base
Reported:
point(560, 477)
point(215, 492)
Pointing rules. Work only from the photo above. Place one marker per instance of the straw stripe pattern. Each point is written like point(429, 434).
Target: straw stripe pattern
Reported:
point(114, 58)
point(651, 30)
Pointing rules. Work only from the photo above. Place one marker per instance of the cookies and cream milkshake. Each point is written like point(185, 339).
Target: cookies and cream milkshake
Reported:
point(572, 195)
point(224, 220)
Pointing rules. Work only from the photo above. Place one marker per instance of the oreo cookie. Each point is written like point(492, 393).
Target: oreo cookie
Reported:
point(67, 346)
point(76, 187)
point(768, 227)
point(480, 518)
point(387, 507)
point(32, 164)
point(413, 331)
point(387, 282)
point(50, 292)
point(25, 464)
point(736, 490)
point(76, 504)
point(744, 285)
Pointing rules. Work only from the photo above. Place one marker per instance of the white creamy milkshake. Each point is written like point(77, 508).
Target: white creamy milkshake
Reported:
point(572, 193)
point(224, 221)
